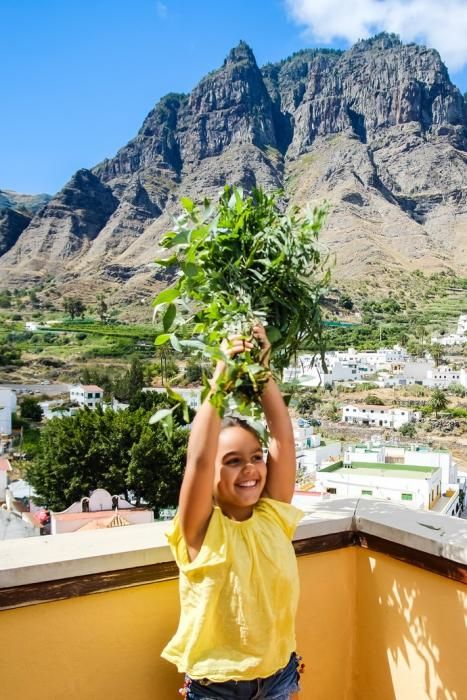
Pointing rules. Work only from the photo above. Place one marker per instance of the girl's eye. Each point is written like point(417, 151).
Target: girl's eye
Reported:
point(258, 458)
point(233, 462)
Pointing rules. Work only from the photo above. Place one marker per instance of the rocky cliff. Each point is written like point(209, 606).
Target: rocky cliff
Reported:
point(378, 130)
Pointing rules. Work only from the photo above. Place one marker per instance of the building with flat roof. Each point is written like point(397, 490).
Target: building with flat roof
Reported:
point(418, 487)
point(380, 416)
point(416, 476)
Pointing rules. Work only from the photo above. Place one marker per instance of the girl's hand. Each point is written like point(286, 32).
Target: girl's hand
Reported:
point(234, 345)
point(260, 334)
point(231, 346)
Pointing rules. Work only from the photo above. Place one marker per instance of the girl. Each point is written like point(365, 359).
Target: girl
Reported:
point(231, 539)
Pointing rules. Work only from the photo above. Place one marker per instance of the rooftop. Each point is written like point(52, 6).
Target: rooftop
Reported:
point(389, 471)
point(382, 610)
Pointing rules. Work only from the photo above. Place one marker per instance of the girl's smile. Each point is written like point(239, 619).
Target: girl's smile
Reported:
point(240, 472)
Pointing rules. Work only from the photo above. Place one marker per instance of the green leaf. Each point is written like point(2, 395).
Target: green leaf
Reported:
point(162, 339)
point(167, 262)
point(160, 415)
point(187, 204)
point(167, 426)
point(166, 296)
point(190, 269)
point(174, 341)
point(174, 395)
point(274, 334)
point(169, 316)
point(196, 344)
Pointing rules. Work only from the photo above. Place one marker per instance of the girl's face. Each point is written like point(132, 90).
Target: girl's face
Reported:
point(240, 472)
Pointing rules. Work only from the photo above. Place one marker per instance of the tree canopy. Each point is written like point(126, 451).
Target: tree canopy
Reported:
point(115, 450)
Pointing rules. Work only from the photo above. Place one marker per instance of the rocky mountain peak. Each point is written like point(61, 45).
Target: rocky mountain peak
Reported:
point(379, 130)
point(242, 53)
point(383, 41)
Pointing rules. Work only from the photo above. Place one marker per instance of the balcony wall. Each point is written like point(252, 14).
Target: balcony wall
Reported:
point(382, 614)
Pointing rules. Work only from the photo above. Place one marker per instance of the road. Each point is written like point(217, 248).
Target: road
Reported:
point(49, 389)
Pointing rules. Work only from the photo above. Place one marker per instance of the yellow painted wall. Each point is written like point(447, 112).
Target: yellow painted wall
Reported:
point(369, 628)
point(412, 632)
point(326, 624)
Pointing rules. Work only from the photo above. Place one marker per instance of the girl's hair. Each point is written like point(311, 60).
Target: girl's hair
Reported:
point(236, 422)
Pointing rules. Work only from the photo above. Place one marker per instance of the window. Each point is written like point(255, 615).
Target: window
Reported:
point(367, 492)
point(97, 395)
point(406, 496)
point(89, 396)
point(331, 490)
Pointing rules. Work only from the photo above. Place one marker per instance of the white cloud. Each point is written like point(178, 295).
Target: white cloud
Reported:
point(161, 9)
point(440, 24)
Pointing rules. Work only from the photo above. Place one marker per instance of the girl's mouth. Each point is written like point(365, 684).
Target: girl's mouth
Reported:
point(247, 484)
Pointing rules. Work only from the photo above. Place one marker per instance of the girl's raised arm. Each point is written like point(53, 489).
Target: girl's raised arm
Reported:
point(281, 462)
point(195, 502)
point(196, 494)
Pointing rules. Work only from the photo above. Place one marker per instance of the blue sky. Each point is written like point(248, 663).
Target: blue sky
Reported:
point(78, 78)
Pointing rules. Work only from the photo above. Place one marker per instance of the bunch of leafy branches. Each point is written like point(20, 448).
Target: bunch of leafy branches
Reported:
point(241, 262)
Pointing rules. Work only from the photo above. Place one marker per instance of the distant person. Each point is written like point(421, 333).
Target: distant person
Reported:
point(231, 539)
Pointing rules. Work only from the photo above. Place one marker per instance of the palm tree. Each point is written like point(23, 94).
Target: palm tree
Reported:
point(438, 401)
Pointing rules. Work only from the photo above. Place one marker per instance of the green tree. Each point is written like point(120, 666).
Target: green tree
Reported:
point(332, 411)
point(193, 371)
point(156, 466)
point(9, 355)
point(421, 334)
point(31, 409)
point(101, 307)
point(438, 401)
point(135, 376)
point(346, 301)
point(437, 352)
point(130, 382)
point(307, 401)
point(408, 430)
point(94, 449)
point(74, 307)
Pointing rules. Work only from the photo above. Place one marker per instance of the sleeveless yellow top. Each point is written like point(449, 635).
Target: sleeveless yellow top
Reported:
point(238, 597)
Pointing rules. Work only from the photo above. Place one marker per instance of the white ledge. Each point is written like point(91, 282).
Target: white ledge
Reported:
point(54, 557)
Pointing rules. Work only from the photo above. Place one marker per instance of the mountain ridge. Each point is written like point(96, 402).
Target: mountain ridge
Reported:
point(379, 130)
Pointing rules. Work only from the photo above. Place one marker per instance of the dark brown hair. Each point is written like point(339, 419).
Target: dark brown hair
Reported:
point(236, 422)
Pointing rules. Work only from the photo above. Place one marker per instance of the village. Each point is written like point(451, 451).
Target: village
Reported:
point(389, 460)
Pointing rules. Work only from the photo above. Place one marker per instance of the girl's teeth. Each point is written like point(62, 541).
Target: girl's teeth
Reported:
point(248, 483)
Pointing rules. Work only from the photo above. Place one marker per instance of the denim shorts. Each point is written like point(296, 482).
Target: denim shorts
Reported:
point(279, 686)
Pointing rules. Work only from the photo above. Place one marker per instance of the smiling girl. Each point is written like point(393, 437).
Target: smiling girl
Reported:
point(231, 539)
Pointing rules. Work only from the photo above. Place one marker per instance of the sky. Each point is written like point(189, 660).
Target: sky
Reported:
point(79, 77)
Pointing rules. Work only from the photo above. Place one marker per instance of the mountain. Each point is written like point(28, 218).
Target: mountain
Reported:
point(378, 130)
point(16, 212)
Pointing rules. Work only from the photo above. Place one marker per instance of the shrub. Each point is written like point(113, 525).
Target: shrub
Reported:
point(408, 430)
point(374, 400)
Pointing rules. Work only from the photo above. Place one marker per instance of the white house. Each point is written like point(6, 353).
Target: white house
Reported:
point(415, 455)
point(380, 416)
point(443, 376)
point(88, 395)
point(304, 435)
point(100, 510)
point(191, 395)
point(417, 487)
point(313, 459)
point(457, 338)
point(7, 408)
